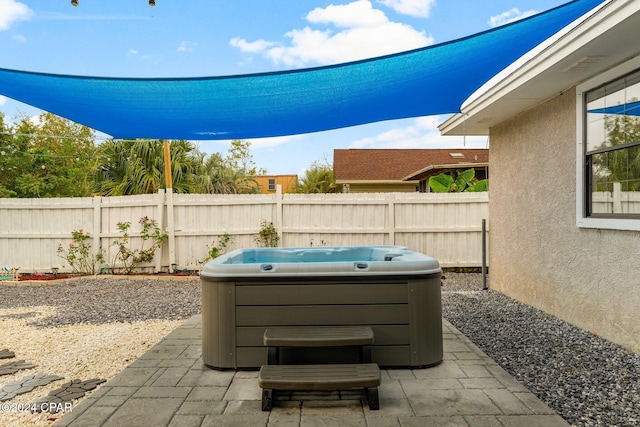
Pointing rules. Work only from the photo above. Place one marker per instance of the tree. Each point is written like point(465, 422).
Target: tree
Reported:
point(219, 177)
point(318, 178)
point(51, 157)
point(7, 164)
point(127, 167)
point(241, 159)
point(623, 164)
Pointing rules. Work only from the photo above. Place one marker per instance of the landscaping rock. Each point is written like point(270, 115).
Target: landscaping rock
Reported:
point(25, 385)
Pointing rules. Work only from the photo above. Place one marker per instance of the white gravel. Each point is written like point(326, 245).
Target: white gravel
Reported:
point(85, 329)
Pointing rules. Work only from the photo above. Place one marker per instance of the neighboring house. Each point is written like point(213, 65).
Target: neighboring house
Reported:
point(268, 183)
point(565, 173)
point(388, 170)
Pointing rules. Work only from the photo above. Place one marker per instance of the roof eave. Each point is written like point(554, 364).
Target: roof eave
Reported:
point(548, 69)
point(373, 181)
point(417, 174)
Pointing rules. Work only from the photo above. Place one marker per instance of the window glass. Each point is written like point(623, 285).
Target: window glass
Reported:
point(601, 185)
point(612, 149)
point(596, 129)
point(633, 189)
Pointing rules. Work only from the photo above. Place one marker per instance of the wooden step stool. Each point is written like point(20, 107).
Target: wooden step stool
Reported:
point(314, 336)
point(319, 376)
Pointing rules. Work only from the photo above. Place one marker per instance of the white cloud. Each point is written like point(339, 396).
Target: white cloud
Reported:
point(133, 52)
point(360, 13)
point(3, 100)
point(250, 47)
point(19, 38)
point(421, 133)
point(509, 16)
point(419, 8)
point(187, 46)
point(363, 32)
point(260, 143)
point(274, 141)
point(12, 11)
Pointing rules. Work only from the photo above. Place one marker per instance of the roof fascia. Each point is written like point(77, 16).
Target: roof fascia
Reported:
point(374, 181)
point(445, 166)
point(541, 58)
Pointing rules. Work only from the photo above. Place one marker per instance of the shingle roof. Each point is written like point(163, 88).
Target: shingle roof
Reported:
point(396, 164)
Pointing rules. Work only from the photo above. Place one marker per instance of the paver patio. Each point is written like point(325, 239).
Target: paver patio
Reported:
point(170, 386)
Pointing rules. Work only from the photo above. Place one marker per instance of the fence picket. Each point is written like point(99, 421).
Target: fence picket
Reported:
point(446, 226)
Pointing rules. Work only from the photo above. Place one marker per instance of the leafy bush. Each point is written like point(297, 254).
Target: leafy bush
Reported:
point(267, 236)
point(79, 255)
point(214, 250)
point(465, 181)
point(130, 258)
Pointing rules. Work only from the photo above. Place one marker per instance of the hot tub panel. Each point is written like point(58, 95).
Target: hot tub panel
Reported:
point(404, 315)
point(304, 288)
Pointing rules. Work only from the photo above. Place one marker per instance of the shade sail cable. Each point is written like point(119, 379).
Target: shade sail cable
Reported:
point(422, 82)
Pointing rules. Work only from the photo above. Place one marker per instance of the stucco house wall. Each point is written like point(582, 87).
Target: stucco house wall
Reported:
point(588, 277)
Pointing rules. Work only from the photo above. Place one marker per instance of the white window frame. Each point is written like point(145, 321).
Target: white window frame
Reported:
point(583, 221)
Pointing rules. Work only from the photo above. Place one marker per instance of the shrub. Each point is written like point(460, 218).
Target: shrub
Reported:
point(214, 250)
point(79, 255)
point(130, 258)
point(267, 236)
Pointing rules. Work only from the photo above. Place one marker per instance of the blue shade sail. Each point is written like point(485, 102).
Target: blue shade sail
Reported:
point(628, 109)
point(427, 81)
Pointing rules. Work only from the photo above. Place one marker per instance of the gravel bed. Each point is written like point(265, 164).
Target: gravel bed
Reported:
point(589, 381)
point(100, 301)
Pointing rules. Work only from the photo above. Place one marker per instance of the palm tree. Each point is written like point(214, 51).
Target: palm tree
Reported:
point(137, 167)
point(218, 177)
point(317, 179)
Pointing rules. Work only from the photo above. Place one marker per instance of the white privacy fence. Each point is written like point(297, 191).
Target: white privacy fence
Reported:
point(445, 226)
point(616, 201)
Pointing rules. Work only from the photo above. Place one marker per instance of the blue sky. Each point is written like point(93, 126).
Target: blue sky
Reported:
point(187, 38)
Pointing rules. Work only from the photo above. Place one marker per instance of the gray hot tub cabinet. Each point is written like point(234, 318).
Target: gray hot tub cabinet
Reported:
point(389, 288)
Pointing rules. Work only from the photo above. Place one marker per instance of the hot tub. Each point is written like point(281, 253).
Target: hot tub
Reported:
point(391, 289)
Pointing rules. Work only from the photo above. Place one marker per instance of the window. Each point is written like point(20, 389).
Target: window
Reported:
point(609, 149)
point(272, 184)
point(612, 148)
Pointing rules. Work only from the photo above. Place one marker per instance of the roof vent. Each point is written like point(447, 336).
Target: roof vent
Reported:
point(457, 155)
point(585, 63)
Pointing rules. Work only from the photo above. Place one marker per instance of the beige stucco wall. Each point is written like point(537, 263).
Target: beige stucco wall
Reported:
point(588, 277)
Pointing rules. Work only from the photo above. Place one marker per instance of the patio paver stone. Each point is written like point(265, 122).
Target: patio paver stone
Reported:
point(170, 386)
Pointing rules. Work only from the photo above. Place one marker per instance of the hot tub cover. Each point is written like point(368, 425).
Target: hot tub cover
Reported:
point(427, 81)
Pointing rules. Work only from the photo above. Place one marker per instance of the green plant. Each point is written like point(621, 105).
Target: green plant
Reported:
point(79, 254)
point(129, 258)
point(267, 236)
point(214, 250)
point(465, 181)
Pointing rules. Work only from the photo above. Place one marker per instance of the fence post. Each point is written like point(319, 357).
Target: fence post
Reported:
point(279, 213)
point(484, 254)
point(97, 225)
point(617, 197)
point(171, 228)
point(391, 217)
point(160, 212)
